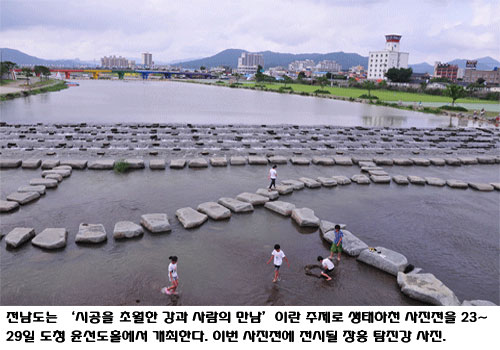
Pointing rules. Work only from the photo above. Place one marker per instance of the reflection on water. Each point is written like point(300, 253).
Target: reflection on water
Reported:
point(381, 121)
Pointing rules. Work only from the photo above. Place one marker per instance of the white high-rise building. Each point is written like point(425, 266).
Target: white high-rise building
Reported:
point(249, 62)
point(147, 59)
point(379, 62)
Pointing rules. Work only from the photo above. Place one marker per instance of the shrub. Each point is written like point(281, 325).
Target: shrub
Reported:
point(371, 97)
point(303, 93)
point(319, 91)
point(121, 166)
point(285, 89)
point(454, 108)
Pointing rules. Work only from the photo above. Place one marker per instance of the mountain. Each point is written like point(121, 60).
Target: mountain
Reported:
point(229, 58)
point(423, 67)
point(21, 58)
point(484, 63)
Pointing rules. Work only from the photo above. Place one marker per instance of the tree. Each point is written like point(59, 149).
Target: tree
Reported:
point(42, 70)
point(287, 80)
point(322, 81)
point(329, 75)
point(301, 76)
point(369, 85)
point(6, 67)
point(27, 72)
point(401, 75)
point(202, 68)
point(259, 76)
point(455, 92)
point(480, 81)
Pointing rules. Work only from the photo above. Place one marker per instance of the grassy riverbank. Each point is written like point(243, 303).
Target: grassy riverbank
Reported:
point(35, 89)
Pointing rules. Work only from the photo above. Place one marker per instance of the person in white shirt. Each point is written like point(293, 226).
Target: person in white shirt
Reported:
point(273, 175)
point(327, 266)
point(278, 255)
point(172, 276)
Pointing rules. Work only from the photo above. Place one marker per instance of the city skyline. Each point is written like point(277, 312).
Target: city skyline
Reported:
point(174, 31)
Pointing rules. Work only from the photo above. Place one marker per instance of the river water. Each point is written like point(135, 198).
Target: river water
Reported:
point(106, 101)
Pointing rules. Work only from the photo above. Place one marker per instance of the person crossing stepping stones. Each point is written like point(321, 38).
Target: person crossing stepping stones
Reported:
point(278, 256)
point(172, 276)
point(337, 243)
point(273, 175)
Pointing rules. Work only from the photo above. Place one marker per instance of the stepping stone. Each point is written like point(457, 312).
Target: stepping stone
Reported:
point(102, 164)
point(437, 161)
point(256, 160)
point(496, 185)
point(280, 207)
point(400, 179)
point(367, 169)
point(486, 160)
point(478, 303)
point(421, 161)
point(435, 181)
point(416, 180)
point(57, 177)
point(427, 288)
point(383, 161)
point(214, 210)
point(6, 206)
point(377, 173)
point(24, 197)
point(327, 226)
point(198, 163)
point(62, 173)
point(383, 179)
point(452, 161)
point(75, 163)
point(177, 163)
point(342, 180)
point(91, 233)
point(272, 195)
point(300, 161)
point(127, 229)
point(40, 189)
point(468, 160)
point(296, 185)
point(457, 184)
point(351, 244)
point(310, 183)
point(50, 163)
point(384, 259)
point(237, 160)
point(31, 163)
point(51, 238)
point(284, 189)
point(475, 185)
point(63, 168)
point(18, 236)
point(218, 161)
point(252, 198)
point(305, 217)
point(342, 160)
point(402, 161)
point(157, 164)
point(9, 163)
point(156, 223)
point(326, 181)
point(367, 164)
point(323, 161)
point(190, 218)
point(360, 179)
point(278, 160)
point(235, 205)
point(135, 163)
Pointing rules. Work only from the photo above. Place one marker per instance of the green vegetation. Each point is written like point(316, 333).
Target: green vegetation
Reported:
point(42, 71)
point(6, 66)
point(401, 75)
point(369, 85)
point(455, 92)
point(121, 166)
point(454, 108)
point(369, 97)
point(36, 89)
point(321, 91)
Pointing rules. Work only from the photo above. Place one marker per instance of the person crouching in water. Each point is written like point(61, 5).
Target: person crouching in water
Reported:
point(327, 267)
point(273, 174)
point(172, 276)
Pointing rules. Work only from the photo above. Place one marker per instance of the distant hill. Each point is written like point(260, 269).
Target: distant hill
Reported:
point(229, 58)
point(21, 58)
point(484, 63)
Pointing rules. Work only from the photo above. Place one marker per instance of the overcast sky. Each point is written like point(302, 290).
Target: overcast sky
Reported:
point(172, 30)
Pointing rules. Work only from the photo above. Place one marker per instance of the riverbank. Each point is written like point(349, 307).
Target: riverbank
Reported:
point(15, 88)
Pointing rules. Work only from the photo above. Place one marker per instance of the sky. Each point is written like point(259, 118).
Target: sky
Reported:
point(432, 30)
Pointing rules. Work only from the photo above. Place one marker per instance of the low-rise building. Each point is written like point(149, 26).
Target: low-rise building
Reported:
point(328, 66)
point(491, 77)
point(446, 70)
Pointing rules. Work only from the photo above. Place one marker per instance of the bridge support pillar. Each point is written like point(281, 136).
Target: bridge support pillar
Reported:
point(67, 75)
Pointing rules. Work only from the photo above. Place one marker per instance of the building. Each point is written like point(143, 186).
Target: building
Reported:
point(446, 70)
point(114, 62)
point(301, 66)
point(328, 66)
point(147, 59)
point(471, 74)
point(249, 62)
point(379, 62)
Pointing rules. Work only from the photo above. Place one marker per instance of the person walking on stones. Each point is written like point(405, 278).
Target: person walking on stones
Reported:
point(273, 175)
point(327, 266)
point(337, 243)
point(278, 256)
point(172, 276)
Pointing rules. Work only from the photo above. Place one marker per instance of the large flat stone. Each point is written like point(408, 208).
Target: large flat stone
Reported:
point(32, 163)
point(382, 179)
point(272, 195)
point(236, 205)
point(416, 180)
point(481, 186)
point(305, 217)
point(23, 197)
point(486, 160)
point(496, 185)
point(326, 181)
point(18, 236)
point(351, 244)
point(177, 163)
point(156, 222)
point(256, 160)
point(190, 218)
point(437, 161)
point(323, 161)
point(40, 189)
point(62, 167)
point(102, 164)
point(48, 183)
point(300, 161)
point(421, 161)
point(360, 179)
point(75, 163)
point(50, 163)
point(400, 179)
point(342, 180)
point(237, 160)
point(384, 259)
point(252, 198)
point(468, 160)
point(135, 163)
point(457, 184)
point(326, 226)
point(57, 177)
point(402, 161)
point(478, 303)
point(310, 183)
point(342, 160)
point(63, 173)
point(157, 164)
point(278, 160)
point(127, 229)
point(435, 181)
point(377, 172)
point(383, 161)
point(215, 211)
point(218, 161)
point(284, 189)
point(51, 238)
point(280, 207)
point(198, 163)
point(297, 185)
point(367, 164)
point(91, 233)
point(452, 161)
point(9, 163)
point(6, 206)
point(427, 288)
